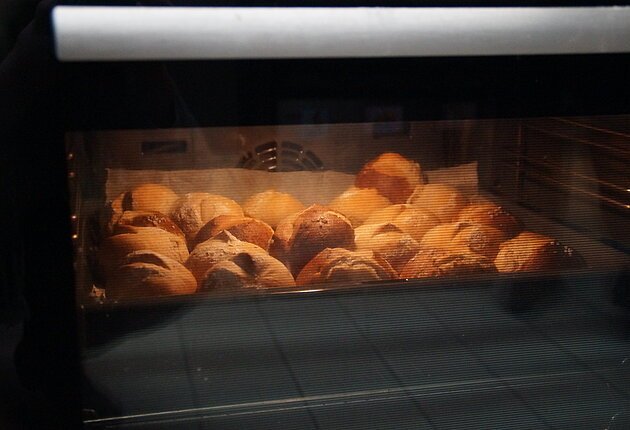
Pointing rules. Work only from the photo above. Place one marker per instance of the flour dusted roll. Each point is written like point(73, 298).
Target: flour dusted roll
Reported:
point(272, 206)
point(488, 213)
point(194, 210)
point(443, 200)
point(532, 252)
point(146, 219)
point(388, 241)
point(412, 220)
point(301, 236)
point(145, 274)
point(359, 203)
point(243, 228)
point(393, 175)
point(480, 239)
point(431, 262)
point(339, 265)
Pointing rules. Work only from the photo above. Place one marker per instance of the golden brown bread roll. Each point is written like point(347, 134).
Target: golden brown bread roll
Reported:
point(388, 241)
point(150, 197)
point(146, 219)
point(531, 252)
point(443, 200)
point(301, 236)
point(480, 239)
point(222, 247)
point(432, 262)
point(412, 220)
point(345, 267)
point(271, 206)
point(145, 274)
point(243, 228)
point(488, 213)
point(114, 249)
point(247, 270)
point(394, 176)
point(359, 203)
point(194, 210)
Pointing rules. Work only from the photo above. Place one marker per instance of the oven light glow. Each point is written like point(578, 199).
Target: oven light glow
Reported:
point(71, 175)
point(75, 236)
point(73, 217)
point(70, 155)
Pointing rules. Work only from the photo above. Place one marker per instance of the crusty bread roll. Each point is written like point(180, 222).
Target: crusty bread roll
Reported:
point(388, 241)
point(394, 176)
point(432, 262)
point(359, 203)
point(443, 200)
point(301, 236)
point(488, 213)
point(243, 228)
point(114, 249)
point(345, 267)
point(221, 247)
point(194, 210)
point(146, 274)
point(146, 219)
point(531, 252)
point(247, 270)
point(271, 206)
point(480, 239)
point(150, 197)
point(412, 220)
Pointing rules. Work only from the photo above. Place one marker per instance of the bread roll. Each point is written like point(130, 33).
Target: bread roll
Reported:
point(431, 262)
point(114, 249)
point(388, 241)
point(480, 239)
point(146, 219)
point(301, 236)
point(243, 228)
point(345, 267)
point(150, 197)
point(444, 201)
point(394, 176)
point(145, 274)
point(194, 210)
point(359, 203)
point(412, 220)
point(531, 252)
point(271, 206)
point(488, 213)
point(223, 247)
point(247, 270)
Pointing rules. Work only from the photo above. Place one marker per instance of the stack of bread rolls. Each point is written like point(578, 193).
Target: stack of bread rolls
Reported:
point(389, 225)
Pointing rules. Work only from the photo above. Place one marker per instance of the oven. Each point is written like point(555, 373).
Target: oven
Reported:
point(360, 216)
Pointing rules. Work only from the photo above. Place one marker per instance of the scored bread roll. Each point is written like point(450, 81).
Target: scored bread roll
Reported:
point(247, 270)
point(443, 200)
point(359, 203)
point(301, 236)
point(194, 210)
point(347, 267)
point(146, 219)
point(221, 247)
point(433, 262)
point(388, 241)
point(271, 206)
point(488, 213)
point(393, 175)
point(145, 274)
point(412, 220)
point(243, 228)
point(114, 249)
point(480, 239)
point(532, 252)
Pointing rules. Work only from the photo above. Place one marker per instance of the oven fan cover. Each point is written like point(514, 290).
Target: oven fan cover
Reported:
point(281, 156)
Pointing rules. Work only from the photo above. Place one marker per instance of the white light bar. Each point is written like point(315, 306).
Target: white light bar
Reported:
point(94, 33)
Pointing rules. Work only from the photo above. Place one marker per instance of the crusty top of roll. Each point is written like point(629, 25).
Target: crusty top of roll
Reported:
point(388, 241)
point(481, 239)
point(531, 251)
point(412, 220)
point(194, 210)
point(150, 197)
point(359, 203)
point(271, 206)
point(344, 266)
point(488, 213)
point(301, 236)
point(145, 274)
point(430, 263)
point(443, 200)
point(393, 175)
point(247, 270)
point(147, 219)
point(243, 228)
